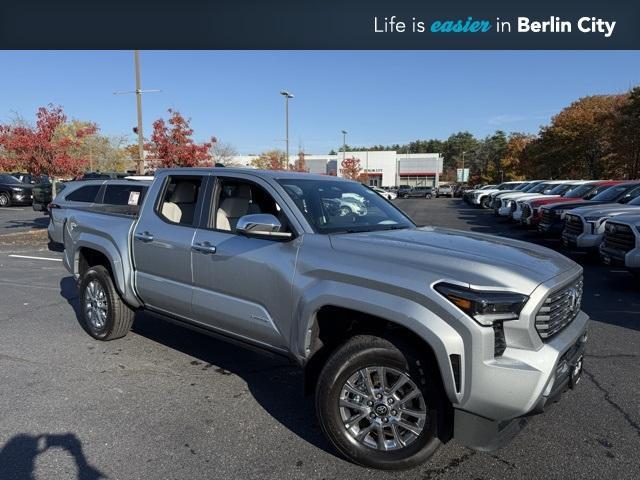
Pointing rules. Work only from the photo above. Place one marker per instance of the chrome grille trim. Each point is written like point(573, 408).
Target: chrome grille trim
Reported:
point(559, 309)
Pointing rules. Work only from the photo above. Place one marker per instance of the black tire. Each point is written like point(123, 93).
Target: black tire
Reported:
point(405, 195)
point(5, 199)
point(363, 351)
point(119, 317)
point(428, 196)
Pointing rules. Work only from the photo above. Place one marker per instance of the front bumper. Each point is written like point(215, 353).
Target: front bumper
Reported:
point(21, 198)
point(529, 381)
point(505, 211)
point(551, 229)
point(584, 241)
point(630, 259)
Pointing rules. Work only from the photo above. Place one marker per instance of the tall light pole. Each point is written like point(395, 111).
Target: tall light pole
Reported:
point(463, 152)
point(138, 91)
point(286, 96)
point(344, 144)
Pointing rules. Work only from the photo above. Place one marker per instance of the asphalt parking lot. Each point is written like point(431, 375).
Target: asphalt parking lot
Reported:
point(165, 402)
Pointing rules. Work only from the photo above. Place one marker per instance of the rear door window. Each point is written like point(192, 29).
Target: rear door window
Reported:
point(124, 194)
point(84, 194)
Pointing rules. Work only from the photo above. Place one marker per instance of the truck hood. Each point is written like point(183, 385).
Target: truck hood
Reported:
point(568, 205)
point(631, 219)
point(547, 199)
point(519, 196)
point(606, 210)
point(474, 258)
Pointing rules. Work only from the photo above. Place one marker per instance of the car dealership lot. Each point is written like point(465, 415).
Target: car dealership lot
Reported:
point(165, 402)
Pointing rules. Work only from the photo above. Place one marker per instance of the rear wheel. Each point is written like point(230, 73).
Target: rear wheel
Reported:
point(5, 200)
point(378, 405)
point(103, 313)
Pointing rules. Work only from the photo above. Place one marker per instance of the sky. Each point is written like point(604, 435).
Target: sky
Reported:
point(377, 97)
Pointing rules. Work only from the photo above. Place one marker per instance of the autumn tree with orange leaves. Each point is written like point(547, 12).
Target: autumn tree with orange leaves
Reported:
point(172, 144)
point(350, 168)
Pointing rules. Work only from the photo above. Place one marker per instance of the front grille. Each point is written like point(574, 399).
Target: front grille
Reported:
point(619, 236)
point(548, 216)
point(559, 309)
point(526, 211)
point(573, 225)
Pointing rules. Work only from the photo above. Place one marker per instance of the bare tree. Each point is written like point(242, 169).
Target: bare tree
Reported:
point(224, 153)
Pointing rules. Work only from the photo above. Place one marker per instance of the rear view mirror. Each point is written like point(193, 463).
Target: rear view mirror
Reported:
point(262, 225)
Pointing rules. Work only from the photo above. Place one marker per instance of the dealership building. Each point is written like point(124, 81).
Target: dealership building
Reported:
point(383, 168)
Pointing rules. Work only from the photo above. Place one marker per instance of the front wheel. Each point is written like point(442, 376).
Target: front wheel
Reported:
point(5, 200)
point(103, 313)
point(406, 195)
point(428, 196)
point(379, 405)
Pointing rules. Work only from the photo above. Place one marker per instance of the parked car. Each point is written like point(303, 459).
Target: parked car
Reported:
point(14, 192)
point(553, 215)
point(532, 209)
point(388, 194)
point(89, 193)
point(104, 176)
point(417, 192)
point(467, 195)
point(31, 179)
point(509, 201)
point(493, 197)
point(481, 197)
point(444, 191)
point(621, 242)
point(458, 343)
point(550, 187)
point(584, 226)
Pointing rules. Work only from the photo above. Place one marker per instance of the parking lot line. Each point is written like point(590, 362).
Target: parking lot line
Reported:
point(36, 258)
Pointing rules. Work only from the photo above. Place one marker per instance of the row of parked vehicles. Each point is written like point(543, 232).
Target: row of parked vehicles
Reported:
point(601, 216)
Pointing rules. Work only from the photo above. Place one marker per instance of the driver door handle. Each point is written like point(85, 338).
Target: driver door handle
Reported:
point(144, 237)
point(204, 247)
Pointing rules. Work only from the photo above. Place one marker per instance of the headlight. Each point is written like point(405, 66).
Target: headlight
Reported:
point(16, 189)
point(595, 219)
point(485, 307)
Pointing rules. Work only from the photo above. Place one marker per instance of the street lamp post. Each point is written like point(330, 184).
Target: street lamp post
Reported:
point(286, 96)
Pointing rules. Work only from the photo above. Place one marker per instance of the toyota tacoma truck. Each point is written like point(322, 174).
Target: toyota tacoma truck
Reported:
point(621, 244)
point(408, 336)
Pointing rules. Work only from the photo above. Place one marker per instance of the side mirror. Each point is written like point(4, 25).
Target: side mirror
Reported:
point(261, 225)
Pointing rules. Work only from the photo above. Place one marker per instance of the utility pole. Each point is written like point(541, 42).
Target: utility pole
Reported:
point(286, 96)
point(344, 144)
point(138, 91)
point(136, 59)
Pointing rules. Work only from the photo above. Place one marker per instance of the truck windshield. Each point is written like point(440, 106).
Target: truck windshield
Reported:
point(612, 194)
point(334, 206)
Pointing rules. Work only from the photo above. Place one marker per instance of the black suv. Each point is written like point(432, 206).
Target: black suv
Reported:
point(423, 192)
point(13, 191)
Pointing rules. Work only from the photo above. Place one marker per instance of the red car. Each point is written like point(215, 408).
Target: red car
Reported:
point(580, 193)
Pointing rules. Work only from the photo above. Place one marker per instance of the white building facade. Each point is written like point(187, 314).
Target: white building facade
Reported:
point(380, 168)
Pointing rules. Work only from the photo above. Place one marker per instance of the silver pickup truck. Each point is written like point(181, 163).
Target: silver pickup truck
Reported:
point(408, 336)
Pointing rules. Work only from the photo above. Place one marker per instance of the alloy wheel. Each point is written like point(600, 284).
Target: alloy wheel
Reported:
point(95, 305)
point(382, 408)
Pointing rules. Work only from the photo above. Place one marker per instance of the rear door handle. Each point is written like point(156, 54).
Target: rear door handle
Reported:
point(204, 247)
point(144, 237)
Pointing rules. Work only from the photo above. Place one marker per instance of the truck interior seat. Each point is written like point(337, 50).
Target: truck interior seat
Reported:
point(182, 204)
point(233, 207)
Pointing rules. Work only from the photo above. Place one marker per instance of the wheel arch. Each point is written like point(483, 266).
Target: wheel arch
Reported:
point(94, 250)
point(332, 319)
